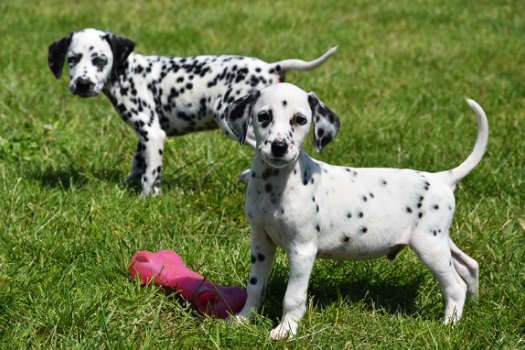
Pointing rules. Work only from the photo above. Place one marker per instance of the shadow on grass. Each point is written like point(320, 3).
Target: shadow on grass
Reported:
point(387, 295)
point(70, 176)
point(65, 178)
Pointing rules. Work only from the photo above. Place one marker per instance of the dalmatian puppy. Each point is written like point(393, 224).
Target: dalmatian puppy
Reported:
point(162, 96)
point(313, 209)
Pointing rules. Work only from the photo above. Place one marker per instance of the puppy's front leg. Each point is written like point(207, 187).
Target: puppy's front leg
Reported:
point(138, 165)
point(262, 255)
point(153, 140)
point(301, 257)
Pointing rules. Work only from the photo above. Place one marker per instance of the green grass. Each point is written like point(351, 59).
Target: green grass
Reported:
point(68, 226)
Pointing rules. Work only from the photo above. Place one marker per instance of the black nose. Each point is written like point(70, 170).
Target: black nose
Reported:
point(279, 148)
point(83, 85)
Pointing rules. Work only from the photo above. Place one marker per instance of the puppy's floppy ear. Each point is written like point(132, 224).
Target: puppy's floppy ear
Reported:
point(56, 55)
point(325, 121)
point(238, 114)
point(121, 48)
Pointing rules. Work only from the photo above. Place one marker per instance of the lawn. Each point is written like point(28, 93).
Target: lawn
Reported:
point(68, 225)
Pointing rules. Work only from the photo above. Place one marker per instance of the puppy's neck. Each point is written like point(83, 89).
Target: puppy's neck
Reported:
point(117, 77)
point(303, 169)
point(122, 72)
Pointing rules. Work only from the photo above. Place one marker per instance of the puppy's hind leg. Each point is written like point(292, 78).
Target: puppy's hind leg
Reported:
point(467, 268)
point(435, 253)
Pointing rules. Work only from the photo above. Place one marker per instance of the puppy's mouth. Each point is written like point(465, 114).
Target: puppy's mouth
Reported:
point(85, 94)
point(278, 162)
point(84, 88)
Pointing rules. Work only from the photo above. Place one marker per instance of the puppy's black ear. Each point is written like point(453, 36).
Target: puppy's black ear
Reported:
point(56, 55)
point(326, 122)
point(238, 114)
point(121, 48)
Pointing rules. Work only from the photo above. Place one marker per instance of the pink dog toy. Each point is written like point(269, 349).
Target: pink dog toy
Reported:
point(166, 268)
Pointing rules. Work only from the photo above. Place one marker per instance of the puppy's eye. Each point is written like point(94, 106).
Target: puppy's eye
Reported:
point(72, 60)
point(299, 119)
point(264, 117)
point(100, 61)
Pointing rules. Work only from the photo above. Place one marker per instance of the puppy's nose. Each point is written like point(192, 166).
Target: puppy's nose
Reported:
point(279, 148)
point(84, 85)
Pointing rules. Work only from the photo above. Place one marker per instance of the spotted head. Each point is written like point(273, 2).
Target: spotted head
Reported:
point(281, 116)
point(92, 56)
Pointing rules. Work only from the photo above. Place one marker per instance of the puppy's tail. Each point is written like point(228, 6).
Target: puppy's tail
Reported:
point(284, 66)
point(453, 176)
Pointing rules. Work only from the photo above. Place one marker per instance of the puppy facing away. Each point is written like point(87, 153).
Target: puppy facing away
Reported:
point(313, 209)
point(162, 96)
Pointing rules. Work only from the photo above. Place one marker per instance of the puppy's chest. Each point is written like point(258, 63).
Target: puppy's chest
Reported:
point(279, 205)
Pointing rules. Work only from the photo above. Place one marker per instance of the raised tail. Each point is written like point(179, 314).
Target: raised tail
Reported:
point(296, 64)
point(455, 175)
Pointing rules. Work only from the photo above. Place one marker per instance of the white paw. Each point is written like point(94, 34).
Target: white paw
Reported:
point(284, 330)
point(152, 191)
point(237, 319)
point(452, 320)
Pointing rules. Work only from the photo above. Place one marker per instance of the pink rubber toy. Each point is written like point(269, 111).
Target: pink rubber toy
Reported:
point(166, 268)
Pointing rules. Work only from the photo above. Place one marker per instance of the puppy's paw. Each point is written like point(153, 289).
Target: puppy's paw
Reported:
point(151, 191)
point(237, 319)
point(285, 330)
point(452, 319)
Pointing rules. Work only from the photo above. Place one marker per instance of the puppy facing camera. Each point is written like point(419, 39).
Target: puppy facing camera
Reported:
point(312, 209)
point(161, 96)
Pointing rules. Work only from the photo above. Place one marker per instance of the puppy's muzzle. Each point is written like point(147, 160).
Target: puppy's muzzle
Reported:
point(84, 87)
point(279, 148)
